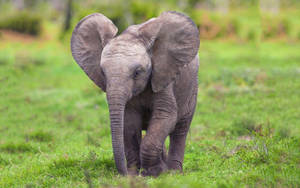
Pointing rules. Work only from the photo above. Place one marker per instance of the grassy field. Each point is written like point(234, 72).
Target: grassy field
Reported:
point(54, 125)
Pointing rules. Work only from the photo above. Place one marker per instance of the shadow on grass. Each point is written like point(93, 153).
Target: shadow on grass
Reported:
point(17, 148)
point(244, 126)
point(40, 136)
point(75, 168)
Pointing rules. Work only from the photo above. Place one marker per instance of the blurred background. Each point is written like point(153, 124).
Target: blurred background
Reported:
point(54, 125)
point(250, 20)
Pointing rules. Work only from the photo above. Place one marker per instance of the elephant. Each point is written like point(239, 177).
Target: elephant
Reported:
point(149, 73)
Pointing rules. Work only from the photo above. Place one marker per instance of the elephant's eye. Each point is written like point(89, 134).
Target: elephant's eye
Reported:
point(137, 72)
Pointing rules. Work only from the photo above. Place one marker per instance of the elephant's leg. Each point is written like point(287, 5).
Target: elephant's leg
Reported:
point(132, 140)
point(152, 155)
point(162, 123)
point(177, 144)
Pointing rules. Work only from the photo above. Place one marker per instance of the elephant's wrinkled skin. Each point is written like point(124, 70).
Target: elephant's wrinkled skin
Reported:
point(149, 74)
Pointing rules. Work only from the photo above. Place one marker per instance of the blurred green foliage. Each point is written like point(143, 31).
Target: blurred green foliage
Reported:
point(24, 22)
point(237, 20)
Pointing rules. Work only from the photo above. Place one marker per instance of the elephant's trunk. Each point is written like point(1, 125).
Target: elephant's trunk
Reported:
point(116, 102)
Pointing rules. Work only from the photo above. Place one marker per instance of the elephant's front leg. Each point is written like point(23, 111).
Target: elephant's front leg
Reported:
point(132, 140)
point(162, 122)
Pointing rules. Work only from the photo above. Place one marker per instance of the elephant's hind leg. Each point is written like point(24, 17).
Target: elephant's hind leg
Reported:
point(132, 140)
point(177, 144)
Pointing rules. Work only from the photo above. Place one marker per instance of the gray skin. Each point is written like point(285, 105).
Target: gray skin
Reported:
point(149, 74)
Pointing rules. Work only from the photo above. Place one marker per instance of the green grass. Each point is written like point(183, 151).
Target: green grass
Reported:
point(54, 126)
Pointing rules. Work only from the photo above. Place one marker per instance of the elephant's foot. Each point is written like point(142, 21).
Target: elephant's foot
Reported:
point(175, 165)
point(155, 170)
point(133, 171)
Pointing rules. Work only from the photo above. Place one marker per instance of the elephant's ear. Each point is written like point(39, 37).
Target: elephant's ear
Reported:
point(173, 41)
point(89, 37)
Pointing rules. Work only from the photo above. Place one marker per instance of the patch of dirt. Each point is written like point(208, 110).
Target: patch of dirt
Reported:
point(12, 36)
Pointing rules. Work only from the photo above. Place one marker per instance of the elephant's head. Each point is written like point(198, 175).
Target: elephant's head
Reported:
point(122, 66)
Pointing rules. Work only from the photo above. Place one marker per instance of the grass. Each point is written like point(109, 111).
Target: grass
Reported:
point(54, 126)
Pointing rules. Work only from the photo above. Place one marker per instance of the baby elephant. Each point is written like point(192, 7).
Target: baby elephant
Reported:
point(150, 75)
